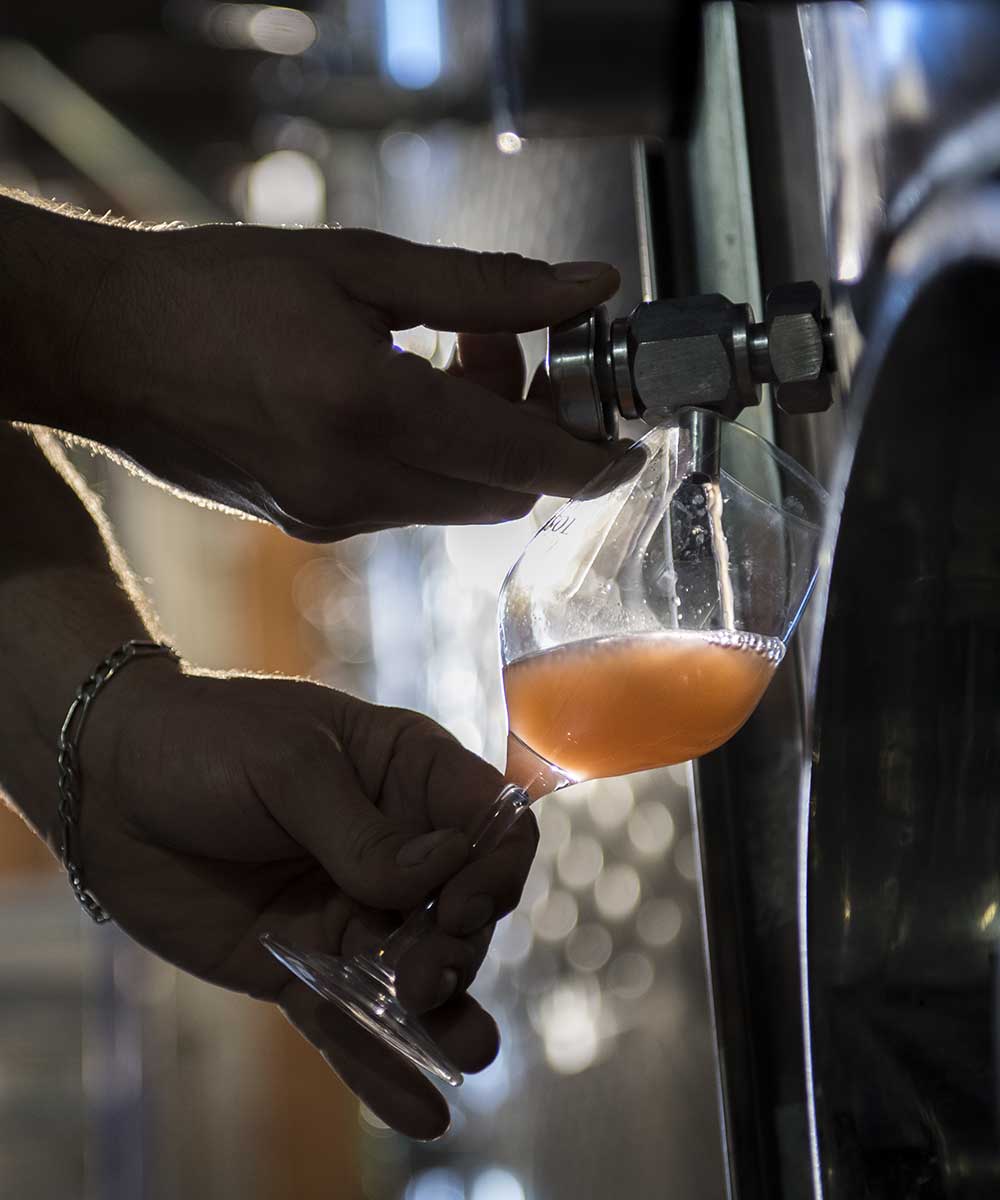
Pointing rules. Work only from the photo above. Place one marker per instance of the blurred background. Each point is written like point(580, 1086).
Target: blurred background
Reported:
point(121, 1079)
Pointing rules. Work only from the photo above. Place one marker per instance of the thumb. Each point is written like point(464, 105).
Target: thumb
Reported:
point(468, 290)
point(377, 861)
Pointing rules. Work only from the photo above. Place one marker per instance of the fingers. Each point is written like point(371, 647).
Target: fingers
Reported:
point(492, 361)
point(490, 887)
point(439, 967)
point(446, 288)
point(313, 791)
point(391, 1087)
point(487, 887)
point(422, 497)
point(453, 427)
point(431, 770)
point(466, 1032)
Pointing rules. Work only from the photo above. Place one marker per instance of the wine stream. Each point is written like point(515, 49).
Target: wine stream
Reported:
point(720, 553)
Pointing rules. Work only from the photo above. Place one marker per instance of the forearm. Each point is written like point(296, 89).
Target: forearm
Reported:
point(63, 607)
point(52, 266)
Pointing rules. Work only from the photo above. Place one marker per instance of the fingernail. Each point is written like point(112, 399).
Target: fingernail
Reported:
point(449, 981)
point(420, 848)
point(579, 272)
point(477, 912)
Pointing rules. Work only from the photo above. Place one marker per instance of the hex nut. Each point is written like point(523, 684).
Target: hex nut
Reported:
point(681, 352)
point(793, 319)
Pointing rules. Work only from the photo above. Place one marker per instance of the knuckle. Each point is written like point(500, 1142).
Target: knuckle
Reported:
point(307, 745)
point(367, 840)
point(314, 745)
point(351, 245)
point(510, 269)
point(500, 269)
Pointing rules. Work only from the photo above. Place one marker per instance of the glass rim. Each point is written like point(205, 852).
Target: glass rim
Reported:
point(782, 457)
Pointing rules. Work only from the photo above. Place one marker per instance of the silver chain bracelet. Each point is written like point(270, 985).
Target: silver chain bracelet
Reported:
point(70, 783)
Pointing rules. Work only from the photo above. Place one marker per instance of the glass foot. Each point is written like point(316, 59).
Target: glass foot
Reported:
point(365, 991)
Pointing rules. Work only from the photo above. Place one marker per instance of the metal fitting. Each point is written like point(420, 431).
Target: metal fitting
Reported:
point(702, 351)
point(799, 349)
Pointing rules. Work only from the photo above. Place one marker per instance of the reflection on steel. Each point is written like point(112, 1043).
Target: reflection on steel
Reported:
point(644, 221)
point(900, 858)
point(906, 103)
point(578, 357)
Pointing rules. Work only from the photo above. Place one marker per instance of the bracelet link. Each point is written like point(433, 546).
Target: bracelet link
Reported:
point(70, 783)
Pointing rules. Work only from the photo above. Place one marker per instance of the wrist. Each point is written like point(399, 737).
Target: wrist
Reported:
point(53, 269)
point(56, 626)
point(146, 680)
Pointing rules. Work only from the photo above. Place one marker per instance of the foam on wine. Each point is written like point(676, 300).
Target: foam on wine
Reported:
point(610, 706)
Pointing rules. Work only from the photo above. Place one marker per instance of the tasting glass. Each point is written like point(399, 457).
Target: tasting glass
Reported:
point(701, 529)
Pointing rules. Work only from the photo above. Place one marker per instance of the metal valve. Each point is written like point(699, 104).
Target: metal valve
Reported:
point(700, 350)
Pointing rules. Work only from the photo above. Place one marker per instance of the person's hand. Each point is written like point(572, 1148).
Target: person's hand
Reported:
point(254, 367)
point(215, 809)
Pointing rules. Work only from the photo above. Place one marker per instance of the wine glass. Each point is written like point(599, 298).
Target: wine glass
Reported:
point(640, 627)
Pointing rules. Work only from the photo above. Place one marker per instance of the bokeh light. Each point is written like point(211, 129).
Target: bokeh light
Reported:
point(413, 42)
point(405, 155)
point(568, 1019)
point(580, 861)
point(609, 802)
point(617, 891)
point(485, 1091)
point(285, 187)
point(589, 947)
point(439, 1183)
point(658, 922)
point(508, 142)
point(553, 829)
point(497, 1184)
point(651, 828)
point(279, 30)
point(537, 884)
point(554, 916)
point(631, 975)
point(512, 941)
point(272, 28)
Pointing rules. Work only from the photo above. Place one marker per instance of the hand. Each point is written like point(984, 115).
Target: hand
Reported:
point(217, 808)
point(254, 367)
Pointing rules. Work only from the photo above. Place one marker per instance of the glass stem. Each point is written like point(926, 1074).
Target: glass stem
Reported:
point(506, 808)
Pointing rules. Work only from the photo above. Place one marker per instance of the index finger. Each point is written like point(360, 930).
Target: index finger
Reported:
point(453, 427)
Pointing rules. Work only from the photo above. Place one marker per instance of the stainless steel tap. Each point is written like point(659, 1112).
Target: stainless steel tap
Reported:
point(702, 351)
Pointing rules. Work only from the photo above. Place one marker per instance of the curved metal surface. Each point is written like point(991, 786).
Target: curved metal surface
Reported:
point(900, 805)
point(576, 359)
point(907, 104)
